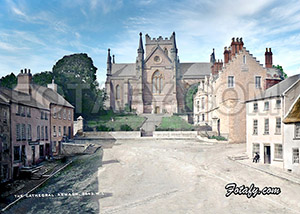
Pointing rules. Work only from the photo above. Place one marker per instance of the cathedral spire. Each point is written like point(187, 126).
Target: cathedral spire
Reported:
point(213, 57)
point(108, 62)
point(174, 48)
point(141, 49)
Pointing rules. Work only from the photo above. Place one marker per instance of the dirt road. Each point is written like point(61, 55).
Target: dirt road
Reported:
point(177, 176)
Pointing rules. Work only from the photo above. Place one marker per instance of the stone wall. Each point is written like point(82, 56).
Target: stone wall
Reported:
point(175, 134)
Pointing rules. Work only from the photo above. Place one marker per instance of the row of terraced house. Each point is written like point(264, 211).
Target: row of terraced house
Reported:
point(247, 102)
point(34, 121)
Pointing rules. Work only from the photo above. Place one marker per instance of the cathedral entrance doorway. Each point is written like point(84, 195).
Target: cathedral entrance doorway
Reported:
point(156, 110)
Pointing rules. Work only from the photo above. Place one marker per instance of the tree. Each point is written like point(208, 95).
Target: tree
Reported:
point(283, 74)
point(189, 97)
point(76, 77)
point(43, 78)
point(8, 81)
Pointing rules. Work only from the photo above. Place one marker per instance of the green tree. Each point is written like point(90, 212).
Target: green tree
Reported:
point(8, 81)
point(42, 78)
point(76, 77)
point(189, 97)
point(283, 74)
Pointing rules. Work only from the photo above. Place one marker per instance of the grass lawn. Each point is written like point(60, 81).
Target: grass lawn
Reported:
point(174, 123)
point(115, 121)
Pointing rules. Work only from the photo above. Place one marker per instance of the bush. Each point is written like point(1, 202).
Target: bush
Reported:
point(217, 137)
point(125, 127)
point(104, 128)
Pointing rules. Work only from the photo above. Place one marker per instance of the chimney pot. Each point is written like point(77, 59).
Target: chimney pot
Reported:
point(267, 50)
point(28, 71)
point(237, 39)
point(25, 70)
point(270, 50)
point(21, 71)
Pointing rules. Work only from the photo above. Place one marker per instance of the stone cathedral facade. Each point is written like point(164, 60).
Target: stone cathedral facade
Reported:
point(157, 82)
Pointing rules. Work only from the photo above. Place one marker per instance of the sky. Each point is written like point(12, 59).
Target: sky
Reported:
point(35, 34)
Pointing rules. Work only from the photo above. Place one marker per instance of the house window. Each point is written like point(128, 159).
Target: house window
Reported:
point(46, 132)
point(244, 59)
point(38, 132)
point(18, 130)
point(278, 126)
point(23, 132)
point(203, 117)
point(198, 105)
point(157, 82)
point(198, 118)
point(69, 113)
point(42, 115)
point(65, 130)
point(54, 131)
point(54, 112)
point(28, 112)
point(43, 134)
point(41, 151)
point(202, 103)
point(59, 131)
point(54, 146)
point(278, 103)
point(255, 149)
point(278, 151)
point(266, 126)
point(255, 107)
point(29, 131)
point(230, 81)
point(65, 114)
point(258, 82)
point(166, 51)
point(297, 130)
point(267, 106)
point(295, 155)
point(4, 116)
point(18, 110)
point(59, 114)
point(46, 116)
point(17, 151)
point(22, 111)
point(255, 127)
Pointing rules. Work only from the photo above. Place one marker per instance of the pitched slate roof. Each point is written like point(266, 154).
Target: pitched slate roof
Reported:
point(195, 70)
point(52, 96)
point(21, 98)
point(3, 101)
point(278, 89)
point(123, 70)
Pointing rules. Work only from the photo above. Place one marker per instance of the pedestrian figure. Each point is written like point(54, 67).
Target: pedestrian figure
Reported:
point(256, 158)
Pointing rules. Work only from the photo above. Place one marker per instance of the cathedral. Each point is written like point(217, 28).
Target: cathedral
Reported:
point(157, 82)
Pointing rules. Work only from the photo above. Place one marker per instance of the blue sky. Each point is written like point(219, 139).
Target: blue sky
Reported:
point(35, 34)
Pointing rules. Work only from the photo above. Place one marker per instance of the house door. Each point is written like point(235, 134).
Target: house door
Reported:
point(23, 155)
point(69, 132)
point(33, 155)
point(267, 154)
point(157, 110)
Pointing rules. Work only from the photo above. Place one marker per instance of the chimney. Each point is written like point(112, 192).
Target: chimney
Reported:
point(269, 58)
point(226, 55)
point(24, 81)
point(53, 86)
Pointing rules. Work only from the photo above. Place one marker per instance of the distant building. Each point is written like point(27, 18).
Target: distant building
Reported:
point(291, 144)
point(266, 133)
point(5, 143)
point(157, 82)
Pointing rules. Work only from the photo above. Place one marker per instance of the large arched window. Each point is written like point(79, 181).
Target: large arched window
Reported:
point(157, 82)
point(117, 92)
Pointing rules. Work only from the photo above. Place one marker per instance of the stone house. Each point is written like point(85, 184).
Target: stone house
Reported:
point(5, 143)
point(157, 82)
point(291, 144)
point(225, 91)
point(265, 131)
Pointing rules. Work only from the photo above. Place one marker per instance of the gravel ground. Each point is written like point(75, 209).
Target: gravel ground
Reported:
point(161, 176)
point(174, 176)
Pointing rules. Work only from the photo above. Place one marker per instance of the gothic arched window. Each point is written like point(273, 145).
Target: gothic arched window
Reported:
point(117, 92)
point(157, 82)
